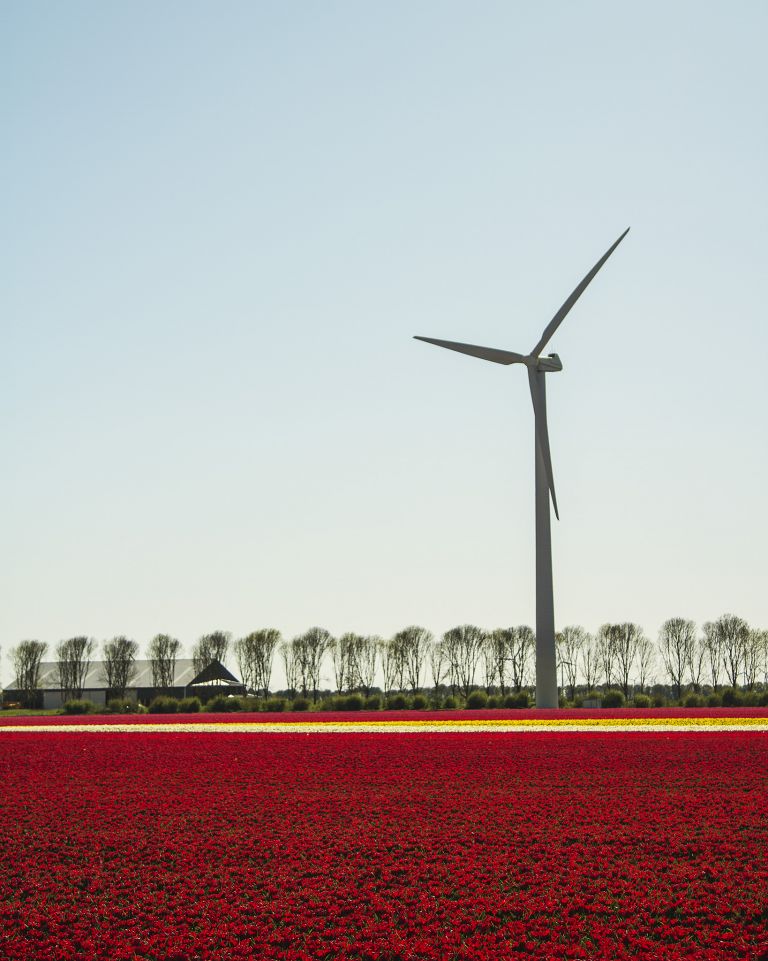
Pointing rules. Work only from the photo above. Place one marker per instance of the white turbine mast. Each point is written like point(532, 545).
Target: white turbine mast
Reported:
point(538, 367)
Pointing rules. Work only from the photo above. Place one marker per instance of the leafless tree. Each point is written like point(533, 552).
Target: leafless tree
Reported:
point(466, 644)
point(450, 646)
point(342, 659)
point(119, 664)
point(290, 665)
point(27, 657)
point(713, 646)
point(399, 655)
point(310, 648)
point(390, 663)
point(605, 654)
point(488, 662)
point(764, 667)
point(394, 655)
point(754, 657)
point(255, 654)
point(733, 632)
point(570, 644)
point(438, 663)
point(521, 641)
point(163, 651)
point(73, 657)
point(498, 644)
point(677, 644)
point(302, 657)
point(589, 662)
point(646, 661)
point(413, 643)
point(364, 655)
point(210, 648)
point(696, 664)
point(626, 638)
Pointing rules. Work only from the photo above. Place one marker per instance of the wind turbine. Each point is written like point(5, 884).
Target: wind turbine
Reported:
point(538, 367)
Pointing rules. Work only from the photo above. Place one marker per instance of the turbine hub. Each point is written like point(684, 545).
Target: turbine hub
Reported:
point(549, 364)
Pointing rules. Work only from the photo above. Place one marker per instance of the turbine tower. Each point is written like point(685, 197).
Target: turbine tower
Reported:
point(538, 368)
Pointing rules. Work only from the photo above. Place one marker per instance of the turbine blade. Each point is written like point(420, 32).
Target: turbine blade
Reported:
point(485, 353)
point(542, 432)
point(560, 315)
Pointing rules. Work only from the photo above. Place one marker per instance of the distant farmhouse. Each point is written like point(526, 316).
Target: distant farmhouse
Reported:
point(212, 680)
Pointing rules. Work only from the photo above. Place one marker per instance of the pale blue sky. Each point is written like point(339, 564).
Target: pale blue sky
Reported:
point(221, 226)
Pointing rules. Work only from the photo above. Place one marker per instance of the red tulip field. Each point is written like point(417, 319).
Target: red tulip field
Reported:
point(383, 846)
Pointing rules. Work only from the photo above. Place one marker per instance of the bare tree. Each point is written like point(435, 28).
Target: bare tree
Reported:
point(626, 638)
point(451, 656)
point(712, 644)
point(255, 653)
point(489, 663)
point(466, 644)
point(413, 642)
point(210, 648)
point(310, 648)
point(290, 665)
point(163, 651)
point(646, 661)
point(605, 653)
point(521, 643)
point(364, 655)
point(438, 663)
point(389, 664)
point(301, 661)
point(677, 642)
point(73, 657)
point(697, 661)
point(342, 659)
point(734, 637)
point(27, 657)
point(498, 645)
point(589, 662)
point(754, 657)
point(570, 644)
point(394, 655)
point(119, 664)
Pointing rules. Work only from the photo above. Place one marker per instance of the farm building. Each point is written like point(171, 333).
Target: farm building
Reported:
point(212, 680)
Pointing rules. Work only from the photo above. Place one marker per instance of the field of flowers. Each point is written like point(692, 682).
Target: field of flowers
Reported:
point(628, 714)
point(176, 846)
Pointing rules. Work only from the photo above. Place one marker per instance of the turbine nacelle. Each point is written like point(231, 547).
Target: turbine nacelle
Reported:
point(549, 364)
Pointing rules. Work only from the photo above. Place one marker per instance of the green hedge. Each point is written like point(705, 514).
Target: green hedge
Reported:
point(189, 705)
point(477, 700)
point(613, 698)
point(222, 704)
point(122, 705)
point(519, 699)
point(79, 706)
point(163, 704)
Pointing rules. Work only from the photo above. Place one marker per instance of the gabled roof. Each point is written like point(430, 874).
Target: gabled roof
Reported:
point(215, 673)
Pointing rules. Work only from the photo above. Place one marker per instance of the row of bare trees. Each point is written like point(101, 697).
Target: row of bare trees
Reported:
point(408, 660)
point(725, 652)
point(617, 655)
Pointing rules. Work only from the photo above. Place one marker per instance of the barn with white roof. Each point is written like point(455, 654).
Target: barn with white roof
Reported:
point(213, 679)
